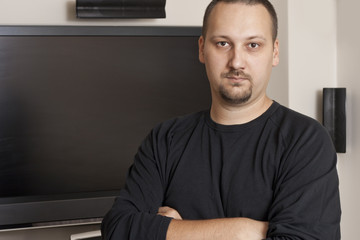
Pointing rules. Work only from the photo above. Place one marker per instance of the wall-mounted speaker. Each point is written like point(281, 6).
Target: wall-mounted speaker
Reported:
point(120, 8)
point(334, 116)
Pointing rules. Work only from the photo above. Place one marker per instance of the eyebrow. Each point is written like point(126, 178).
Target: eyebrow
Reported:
point(218, 36)
point(247, 38)
point(256, 37)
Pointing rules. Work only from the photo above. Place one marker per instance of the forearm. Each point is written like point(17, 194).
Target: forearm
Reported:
point(226, 228)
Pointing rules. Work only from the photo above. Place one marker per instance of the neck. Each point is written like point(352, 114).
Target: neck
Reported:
point(226, 114)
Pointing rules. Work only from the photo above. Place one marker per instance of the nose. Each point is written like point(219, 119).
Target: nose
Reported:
point(237, 59)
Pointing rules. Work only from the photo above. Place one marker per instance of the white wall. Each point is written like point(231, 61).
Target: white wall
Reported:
point(324, 52)
point(279, 82)
point(312, 53)
point(348, 76)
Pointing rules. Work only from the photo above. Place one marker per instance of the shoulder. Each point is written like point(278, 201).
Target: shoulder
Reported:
point(178, 125)
point(158, 143)
point(286, 116)
point(293, 124)
point(301, 134)
point(304, 139)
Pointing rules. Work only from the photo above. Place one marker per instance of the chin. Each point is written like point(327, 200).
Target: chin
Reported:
point(237, 97)
point(236, 100)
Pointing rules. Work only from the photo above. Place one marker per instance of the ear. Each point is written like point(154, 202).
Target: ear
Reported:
point(276, 53)
point(201, 43)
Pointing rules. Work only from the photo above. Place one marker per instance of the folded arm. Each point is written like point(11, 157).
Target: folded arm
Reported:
point(213, 229)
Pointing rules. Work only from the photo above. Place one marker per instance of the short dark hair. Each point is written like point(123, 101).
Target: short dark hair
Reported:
point(269, 7)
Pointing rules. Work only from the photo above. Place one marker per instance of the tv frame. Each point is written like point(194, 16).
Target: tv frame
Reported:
point(79, 209)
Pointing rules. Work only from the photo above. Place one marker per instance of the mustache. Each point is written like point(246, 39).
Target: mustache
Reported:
point(237, 74)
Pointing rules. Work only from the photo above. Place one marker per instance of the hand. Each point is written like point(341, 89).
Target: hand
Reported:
point(169, 212)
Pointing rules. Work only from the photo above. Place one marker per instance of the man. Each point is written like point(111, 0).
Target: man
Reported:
point(248, 168)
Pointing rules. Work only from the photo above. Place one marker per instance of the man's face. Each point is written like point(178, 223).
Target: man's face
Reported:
point(238, 52)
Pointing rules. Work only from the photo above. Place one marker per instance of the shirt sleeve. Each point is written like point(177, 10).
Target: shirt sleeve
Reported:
point(306, 196)
point(134, 213)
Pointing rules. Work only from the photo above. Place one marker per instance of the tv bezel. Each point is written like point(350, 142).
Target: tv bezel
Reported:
point(37, 211)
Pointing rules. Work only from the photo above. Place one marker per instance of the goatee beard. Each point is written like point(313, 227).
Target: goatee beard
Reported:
point(237, 98)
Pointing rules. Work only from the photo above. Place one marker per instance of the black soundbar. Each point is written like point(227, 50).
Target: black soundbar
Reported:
point(120, 8)
point(334, 116)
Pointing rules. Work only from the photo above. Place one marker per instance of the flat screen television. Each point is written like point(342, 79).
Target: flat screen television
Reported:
point(75, 104)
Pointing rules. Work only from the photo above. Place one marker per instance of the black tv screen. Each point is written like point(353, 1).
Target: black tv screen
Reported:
point(75, 104)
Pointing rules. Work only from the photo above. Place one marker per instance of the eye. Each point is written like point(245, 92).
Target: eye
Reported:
point(253, 45)
point(222, 44)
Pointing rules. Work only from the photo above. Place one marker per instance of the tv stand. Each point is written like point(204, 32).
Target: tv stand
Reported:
point(58, 232)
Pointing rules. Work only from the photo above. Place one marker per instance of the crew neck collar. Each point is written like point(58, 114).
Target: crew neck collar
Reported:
point(236, 127)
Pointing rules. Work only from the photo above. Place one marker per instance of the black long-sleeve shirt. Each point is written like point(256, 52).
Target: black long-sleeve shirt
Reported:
point(280, 168)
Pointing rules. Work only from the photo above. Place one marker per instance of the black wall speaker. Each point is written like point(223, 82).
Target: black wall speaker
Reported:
point(120, 8)
point(334, 116)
